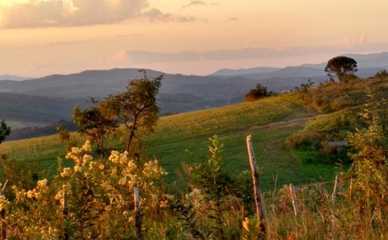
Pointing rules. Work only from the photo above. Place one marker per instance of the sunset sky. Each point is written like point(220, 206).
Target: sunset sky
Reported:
point(40, 37)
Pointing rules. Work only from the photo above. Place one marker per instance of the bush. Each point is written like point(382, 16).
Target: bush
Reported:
point(257, 93)
point(5, 131)
point(305, 140)
point(93, 199)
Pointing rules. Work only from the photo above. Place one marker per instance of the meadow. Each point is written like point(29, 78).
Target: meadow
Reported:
point(183, 138)
point(192, 180)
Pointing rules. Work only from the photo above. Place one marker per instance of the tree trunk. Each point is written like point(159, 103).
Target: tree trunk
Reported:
point(257, 196)
point(130, 139)
point(132, 129)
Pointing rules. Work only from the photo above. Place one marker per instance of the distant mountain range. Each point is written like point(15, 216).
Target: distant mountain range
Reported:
point(368, 64)
point(44, 101)
point(246, 71)
point(12, 78)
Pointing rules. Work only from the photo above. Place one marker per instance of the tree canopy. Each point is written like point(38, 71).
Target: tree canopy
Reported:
point(5, 131)
point(137, 107)
point(94, 123)
point(341, 67)
point(259, 92)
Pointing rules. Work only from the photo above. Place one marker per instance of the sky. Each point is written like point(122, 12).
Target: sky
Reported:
point(41, 37)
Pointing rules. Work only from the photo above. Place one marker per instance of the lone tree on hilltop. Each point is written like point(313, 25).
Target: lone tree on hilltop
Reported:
point(344, 68)
point(5, 131)
point(259, 92)
point(137, 107)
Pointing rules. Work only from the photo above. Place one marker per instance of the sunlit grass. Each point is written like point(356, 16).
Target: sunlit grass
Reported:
point(184, 138)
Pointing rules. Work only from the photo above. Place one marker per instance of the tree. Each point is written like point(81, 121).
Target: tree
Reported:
point(95, 123)
point(341, 67)
point(137, 107)
point(5, 131)
point(259, 92)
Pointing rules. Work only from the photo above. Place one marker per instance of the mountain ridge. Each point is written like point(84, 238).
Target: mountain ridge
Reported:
point(179, 92)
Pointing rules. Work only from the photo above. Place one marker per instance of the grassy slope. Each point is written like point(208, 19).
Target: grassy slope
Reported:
point(183, 137)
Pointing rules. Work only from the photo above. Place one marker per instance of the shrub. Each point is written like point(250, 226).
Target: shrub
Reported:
point(4, 131)
point(305, 140)
point(259, 92)
point(93, 199)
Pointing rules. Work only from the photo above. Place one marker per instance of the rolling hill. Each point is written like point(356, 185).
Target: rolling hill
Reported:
point(273, 121)
point(184, 137)
point(47, 100)
point(55, 95)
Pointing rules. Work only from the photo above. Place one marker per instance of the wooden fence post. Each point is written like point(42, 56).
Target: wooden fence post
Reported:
point(3, 225)
point(334, 193)
point(66, 235)
point(257, 196)
point(350, 188)
point(138, 214)
point(292, 196)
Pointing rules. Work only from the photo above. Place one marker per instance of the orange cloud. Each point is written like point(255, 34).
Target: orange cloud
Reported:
point(54, 13)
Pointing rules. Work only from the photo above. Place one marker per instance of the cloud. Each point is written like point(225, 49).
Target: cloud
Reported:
point(155, 15)
point(198, 3)
point(54, 13)
point(232, 19)
point(195, 3)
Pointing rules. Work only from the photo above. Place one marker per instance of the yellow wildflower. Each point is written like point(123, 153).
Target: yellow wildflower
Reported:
point(31, 194)
point(114, 157)
point(86, 158)
point(87, 147)
point(3, 203)
point(77, 168)
point(42, 183)
point(66, 172)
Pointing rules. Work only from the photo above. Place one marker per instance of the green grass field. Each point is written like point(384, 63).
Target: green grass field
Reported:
point(184, 138)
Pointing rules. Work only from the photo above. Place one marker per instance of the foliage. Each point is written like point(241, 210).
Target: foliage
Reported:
point(93, 200)
point(332, 96)
point(259, 92)
point(343, 67)
point(184, 137)
point(92, 196)
point(342, 104)
point(381, 74)
point(370, 168)
point(137, 108)
point(94, 123)
point(4, 131)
